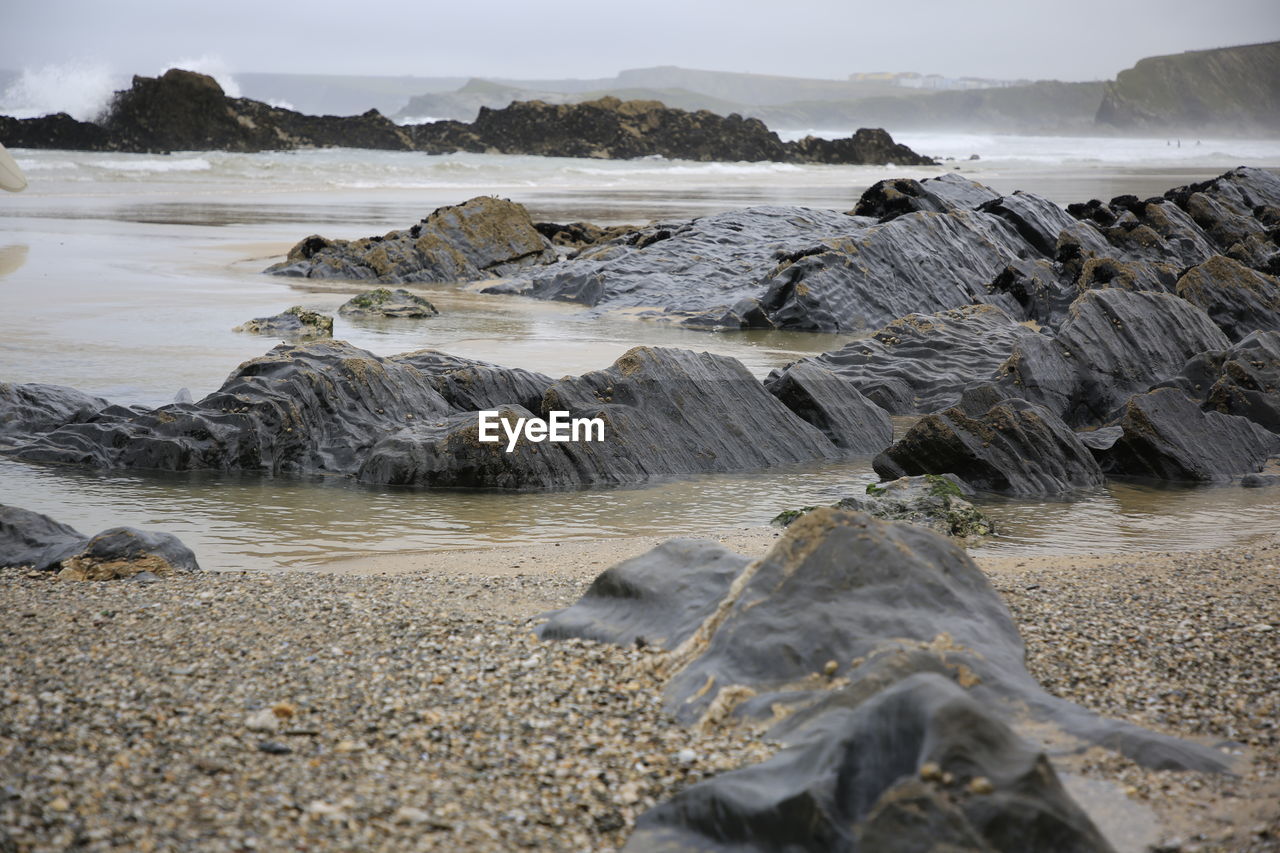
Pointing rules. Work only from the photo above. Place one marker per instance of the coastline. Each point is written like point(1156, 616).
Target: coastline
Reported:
point(403, 690)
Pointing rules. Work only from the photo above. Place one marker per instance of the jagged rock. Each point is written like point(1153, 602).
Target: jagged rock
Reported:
point(1041, 289)
point(918, 262)
point(933, 501)
point(1238, 299)
point(1243, 380)
point(1015, 448)
point(1114, 344)
point(314, 407)
point(30, 539)
point(384, 302)
point(27, 409)
point(665, 412)
point(842, 609)
point(1168, 437)
point(651, 599)
point(1037, 220)
point(469, 385)
point(832, 403)
point(485, 237)
point(889, 199)
point(577, 236)
point(872, 146)
point(296, 322)
point(855, 783)
point(685, 268)
point(921, 362)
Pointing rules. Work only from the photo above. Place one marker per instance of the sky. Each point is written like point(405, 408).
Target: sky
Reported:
point(1004, 39)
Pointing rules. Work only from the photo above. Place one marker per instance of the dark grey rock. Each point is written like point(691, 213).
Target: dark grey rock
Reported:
point(1037, 220)
point(921, 362)
point(1114, 344)
point(1101, 438)
point(295, 323)
point(1243, 380)
point(485, 237)
point(128, 544)
point(832, 403)
point(854, 784)
point(920, 262)
point(28, 409)
point(384, 302)
point(1238, 299)
point(1168, 437)
point(889, 199)
point(687, 268)
point(657, 598)
point(1015, 448)
point(469, 385)
point(31, 539)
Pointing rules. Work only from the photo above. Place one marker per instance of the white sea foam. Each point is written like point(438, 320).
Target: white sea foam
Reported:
point(212, 65)
point(81, 89)
point(158, 164)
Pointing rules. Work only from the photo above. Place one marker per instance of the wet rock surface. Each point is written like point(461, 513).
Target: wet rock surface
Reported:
point(865, 646)
point(413, 419)
point(1013, 448)
point(27, 409)
point(1240, 300)
point(1243, 380)
point(31, 539)
point(934, 501)
point(832, 403)
point(485, 237)
point(1166, 436)
point(384, 302)
point(296, 323)
point(922, 362)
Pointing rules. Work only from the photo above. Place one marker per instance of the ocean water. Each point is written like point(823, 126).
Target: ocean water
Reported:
point(122, 274)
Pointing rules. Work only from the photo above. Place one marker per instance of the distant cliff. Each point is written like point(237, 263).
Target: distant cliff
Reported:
point(1232, 89)
point(182, 110)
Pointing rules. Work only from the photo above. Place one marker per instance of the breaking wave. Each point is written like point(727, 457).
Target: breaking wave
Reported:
point(81, 89)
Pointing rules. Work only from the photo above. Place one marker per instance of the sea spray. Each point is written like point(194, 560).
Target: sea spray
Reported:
point(81, 89)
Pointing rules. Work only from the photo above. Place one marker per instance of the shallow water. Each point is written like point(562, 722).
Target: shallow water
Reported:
point(123, 275)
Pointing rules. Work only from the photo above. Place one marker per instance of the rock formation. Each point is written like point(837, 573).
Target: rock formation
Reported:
point(183, 110)
point(295, 323)
point(30, 539)
point(882, 658)
point(383, 302)
point(327, 407)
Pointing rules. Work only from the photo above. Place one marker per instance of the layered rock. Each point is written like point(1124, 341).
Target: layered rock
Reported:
point(921, 363)
point(31, 539)
point(383, 302)
point(29, 409)
point(1114, 344)
point(1014, 448)
point(1240, 300)
point(1243, 380)
point(328, 407)
point(485, 237)
point(889, 199)
point(882, 658)
point(183, 110)
point(1167, 436)
point(296, 322)
point(833, 404)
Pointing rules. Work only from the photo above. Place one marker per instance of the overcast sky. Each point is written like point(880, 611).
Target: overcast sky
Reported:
point(1065, 39)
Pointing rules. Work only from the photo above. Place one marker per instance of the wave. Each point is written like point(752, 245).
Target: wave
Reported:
point(81, 89)
point(194, 164)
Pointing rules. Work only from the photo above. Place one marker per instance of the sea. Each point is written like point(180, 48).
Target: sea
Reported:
point(123, 275)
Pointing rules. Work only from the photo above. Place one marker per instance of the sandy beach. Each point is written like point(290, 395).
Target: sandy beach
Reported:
point(392, 703)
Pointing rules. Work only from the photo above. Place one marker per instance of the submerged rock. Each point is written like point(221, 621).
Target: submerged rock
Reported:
point(922, 362)
point(1014, 448)
point(485, 237)
point(384, 302)
point(296, 322)
point(30, 539)
point(1167, 436)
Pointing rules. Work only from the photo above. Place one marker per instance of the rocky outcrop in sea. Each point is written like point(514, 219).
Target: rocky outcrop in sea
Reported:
point(31, 539)
point(183, 110)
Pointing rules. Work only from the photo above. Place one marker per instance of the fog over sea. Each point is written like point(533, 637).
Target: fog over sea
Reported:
point(123, 274)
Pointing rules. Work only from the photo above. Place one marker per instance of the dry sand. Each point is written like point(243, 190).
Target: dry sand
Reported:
point(400, 702)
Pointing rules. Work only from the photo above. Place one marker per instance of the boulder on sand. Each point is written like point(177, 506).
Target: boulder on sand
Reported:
point(31, 539)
